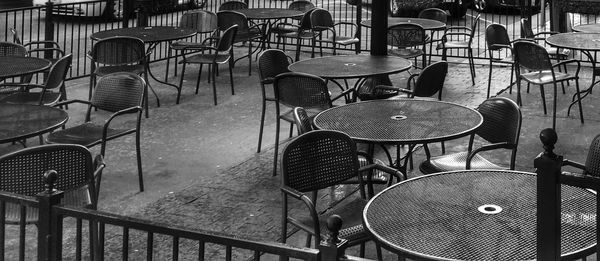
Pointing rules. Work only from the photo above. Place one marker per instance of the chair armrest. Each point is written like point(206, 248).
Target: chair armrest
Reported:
point(71, 101)
point(287, 191)
point(410, 79)
point(575, 164)
point(392, 171)
point(501, 145)
point(567, 62)
point(122, 112)
point(501, 46)
point(544, 33)
point(98, 165)
point(452, 28)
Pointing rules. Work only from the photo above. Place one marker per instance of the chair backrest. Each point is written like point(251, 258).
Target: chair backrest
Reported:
point(226, 19)
point(501, 120)
point(203, 21)
point(434, 14)
point(366, 90)
point(474, 28)
point(22, 171)
point(305, 23)
point(272, 62)
point(233, 5)
point(321, 19)
point(319, 159)
point(531, 55)
point(301, 5)
point(496, 34)
point(406, 35)
point(592, 162)
point(302, 121)
point(431, 80)
point(225, 43)
point(526, 30)
point(118, 91)
point(309, 91)
point(12, 49)
point(119, 50)
point(58, 72)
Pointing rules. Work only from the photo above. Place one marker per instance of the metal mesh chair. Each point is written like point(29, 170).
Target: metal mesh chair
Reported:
point(501, 128)
point(12, 49)
point(204, 22)
point(297, 90)
point(433, 14)
point(233, 5)
point(407, 40)
point(46, 96)
point(317, 160)
point(455, 32)
point(246, 32)
point(592, 161)
point(219, 53)
point(553, 52)
point(119, 93)
point(293, 25)
point(22, 172)
point(303, 31)
point(539, 70)
point(119, 54)
point(271, 62)
point(322, 24)
point(497, 40)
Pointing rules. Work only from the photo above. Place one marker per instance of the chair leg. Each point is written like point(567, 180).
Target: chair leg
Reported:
point(512, 72)
point(554, 107)
point(230, 79)
point(490, 80)
point(276, 149)
point(170, 54)
point(214, 82)
point(544, 98)
point(262, 124)
point(579, 100)
point(249, 58)
point(138, 156)
point(472, 65)
point(181, 83)
point(518, 90)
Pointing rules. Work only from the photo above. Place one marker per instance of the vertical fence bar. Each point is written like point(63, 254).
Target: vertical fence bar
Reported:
point(49, 28)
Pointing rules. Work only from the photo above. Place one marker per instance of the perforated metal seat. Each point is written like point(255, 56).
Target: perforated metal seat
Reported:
point(118, 93)
point(501, 128)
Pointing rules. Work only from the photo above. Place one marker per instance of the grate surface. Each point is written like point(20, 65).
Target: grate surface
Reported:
point(11, 66)
point(416, 121)
point(19, 121)
point(351, 66)
point(150, 34)
point(438, 216)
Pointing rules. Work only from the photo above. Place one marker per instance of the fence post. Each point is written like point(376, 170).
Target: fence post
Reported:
point(548, 168)
point(358, 21)
point(331, 247)
point(46, 225)
point(49, 28)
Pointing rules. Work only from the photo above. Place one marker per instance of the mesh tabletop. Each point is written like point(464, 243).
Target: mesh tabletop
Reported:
point(400, 121)
point(20, 121)
point(576, 41)
point(351, 66)
point(11, 66)
point(438, 216)
point(270, 13)
point(587, 28)
point(150, 34)
point(427, 24)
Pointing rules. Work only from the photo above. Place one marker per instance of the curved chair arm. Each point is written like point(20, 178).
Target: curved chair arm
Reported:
point(567, 62)
point(452, 28)
point(411, 78)
point(392, 171)
point(287, 191)
point(119, 113)
point(39, 42)
point(449, 35)
point(353, 26)
point(501, 46)
point(575, 164)
point(71, 101)
point(98, 167)
point(500, 145)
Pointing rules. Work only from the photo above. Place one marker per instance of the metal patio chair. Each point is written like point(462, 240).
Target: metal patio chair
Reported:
point(450, 42)
point(247, 32)
point(322, 24)
point(303, 31)
point(497, 40)
point(292, 26)
point(433, 14)
point(408, 40)
point(232, 5)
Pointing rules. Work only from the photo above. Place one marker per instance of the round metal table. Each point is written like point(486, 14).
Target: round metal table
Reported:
point(22, 121)
point(588, 44)
point(427, 24)
point(269, 13)
point(400, 121)
point(13, 66)
point(474, 215)
point(587, 28)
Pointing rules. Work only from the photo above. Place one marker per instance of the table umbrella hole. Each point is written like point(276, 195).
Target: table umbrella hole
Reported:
point(398, 117)
point(490, 209)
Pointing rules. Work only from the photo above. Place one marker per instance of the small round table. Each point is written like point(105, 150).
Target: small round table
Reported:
point(351, 67)
point(587, 28)
point(400, 122)
point(474, 215)
point(22, 121)
point(588, 44)
point(427, 24)
point(13, 66)
point(269, 13)
point(152, 35)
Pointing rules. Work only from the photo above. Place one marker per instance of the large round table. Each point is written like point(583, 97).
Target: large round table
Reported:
point(22, 121)
point(587, 28)
point(475, 215)
point(269, 13)
point(14, 66)
point(427, 24)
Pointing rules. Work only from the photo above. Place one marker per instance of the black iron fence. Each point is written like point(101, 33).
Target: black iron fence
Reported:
point(71, 24)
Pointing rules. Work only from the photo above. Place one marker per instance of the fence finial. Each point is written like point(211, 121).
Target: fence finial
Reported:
point(334, 223)
point(549, 138)
point(50, 178)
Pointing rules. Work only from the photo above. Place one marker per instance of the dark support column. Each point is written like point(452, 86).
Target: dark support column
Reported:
point(47, 232)
point(558, 17)
point(548, 169)
point(358, 20)
point(49, 28)
point(379, 25)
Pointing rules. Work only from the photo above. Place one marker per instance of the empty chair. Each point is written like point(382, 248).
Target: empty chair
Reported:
point(555, 53)
point(232, 5)
point(246, 32)
point(12, 49)
point(297, 90)
point(592, 161)
point(451, 40)
point(50, 92)
point(433, 14)
point(271, 62)
point(407, 40)
point(303, 31)
point(496, 38)
point(533, 65)
point(203, 22)
point(292, 26)
point(336, 33)
point(221, 52)
point(500, 128)
point(120, 94)
point(367, 89)
point(318, 160)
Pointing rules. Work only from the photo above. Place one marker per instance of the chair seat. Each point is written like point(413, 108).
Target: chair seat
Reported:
point(303, 35)
point(507, 60)
point(32, 98)
point(344, 40)
point(406, 53)
point(453, 44)
point(455, 161)
point(206, 58)
point(545, 77)
point(105, 70)
point(78, 197)
point(248, 35)
point(87, 134)
point(181, 45)
point(283, 29)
